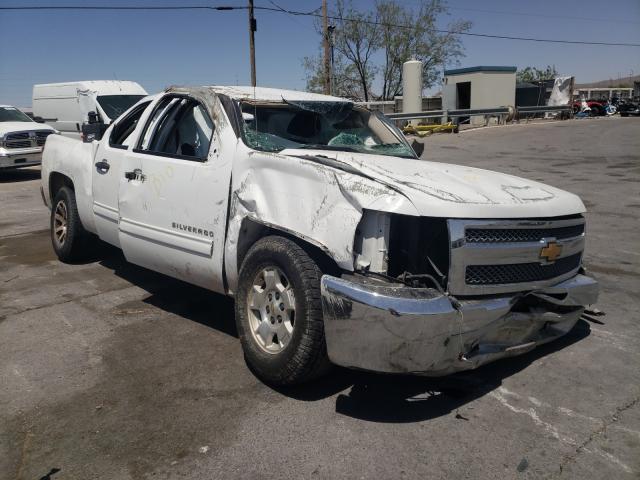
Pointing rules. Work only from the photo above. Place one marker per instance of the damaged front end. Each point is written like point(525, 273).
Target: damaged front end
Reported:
point(434, 296)
point(399, 329)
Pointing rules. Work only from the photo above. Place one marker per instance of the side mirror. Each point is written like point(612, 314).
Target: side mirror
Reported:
point(38, 119)
point(93, 117)
point(92, 131)
point(418, 147)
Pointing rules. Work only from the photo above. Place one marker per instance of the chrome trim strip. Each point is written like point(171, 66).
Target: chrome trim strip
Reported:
point(178, 240)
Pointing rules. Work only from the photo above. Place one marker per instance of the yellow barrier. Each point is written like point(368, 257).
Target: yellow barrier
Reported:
point(424, 130)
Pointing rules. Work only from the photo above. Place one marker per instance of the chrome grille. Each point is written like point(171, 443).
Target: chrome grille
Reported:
point(27, 139)
point(41, 137)
point(520, 272)
point(18, 136)
point(17, 143)
point(502, 235)
point(500, 256)
point(17, 140)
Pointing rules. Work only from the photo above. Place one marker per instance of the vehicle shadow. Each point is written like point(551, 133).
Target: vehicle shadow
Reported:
point(19, 175)
point(369, 396)
point(169, 294)
point(402, 399)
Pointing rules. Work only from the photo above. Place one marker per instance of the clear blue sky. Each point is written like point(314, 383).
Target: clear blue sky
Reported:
point(162, 48)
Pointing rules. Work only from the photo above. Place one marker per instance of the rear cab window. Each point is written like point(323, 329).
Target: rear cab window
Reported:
point(121, 133)
point(115, 105)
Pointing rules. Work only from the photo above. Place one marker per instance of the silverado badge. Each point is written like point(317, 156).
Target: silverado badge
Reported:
point(551, 251)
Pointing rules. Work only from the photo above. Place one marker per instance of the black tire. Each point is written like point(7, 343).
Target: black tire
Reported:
point(71, 246)
point(304, 357)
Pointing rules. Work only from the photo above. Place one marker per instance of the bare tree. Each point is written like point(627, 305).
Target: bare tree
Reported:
point(373, 46)
point(357, 41)
point(346, 81)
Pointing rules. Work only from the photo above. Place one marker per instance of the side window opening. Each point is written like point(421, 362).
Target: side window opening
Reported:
point(181, 128)
point(161, 109)
point(121, 134)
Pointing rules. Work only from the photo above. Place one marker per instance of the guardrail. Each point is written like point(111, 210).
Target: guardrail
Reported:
point(470, 112)
point(501, 112)
point(545, 108)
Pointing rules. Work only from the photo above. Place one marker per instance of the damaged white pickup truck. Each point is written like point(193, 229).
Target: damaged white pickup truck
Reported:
point(338, 243)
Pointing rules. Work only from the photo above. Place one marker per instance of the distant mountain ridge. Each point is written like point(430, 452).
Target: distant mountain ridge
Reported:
point(611, 83)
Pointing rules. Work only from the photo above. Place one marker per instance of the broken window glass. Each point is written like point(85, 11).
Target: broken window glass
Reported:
point(340, 126)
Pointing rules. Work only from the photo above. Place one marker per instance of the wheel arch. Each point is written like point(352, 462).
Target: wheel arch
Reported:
point(58, 180)
point(252, 230)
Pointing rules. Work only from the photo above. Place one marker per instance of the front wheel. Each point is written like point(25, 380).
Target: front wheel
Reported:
point(279, 313)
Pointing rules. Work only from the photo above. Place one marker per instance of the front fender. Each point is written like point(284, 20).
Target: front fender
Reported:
point(319, 203)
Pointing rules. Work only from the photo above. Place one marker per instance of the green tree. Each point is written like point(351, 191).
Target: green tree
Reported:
point(533, 74)
point(370, 47)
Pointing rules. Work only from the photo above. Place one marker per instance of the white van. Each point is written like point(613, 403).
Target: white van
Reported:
point(65, 106)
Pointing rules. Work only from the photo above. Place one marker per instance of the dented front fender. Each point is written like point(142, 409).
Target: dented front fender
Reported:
point(320, 203)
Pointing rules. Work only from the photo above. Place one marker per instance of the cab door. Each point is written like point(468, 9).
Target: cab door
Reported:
point(173, 194)
point(106, 173)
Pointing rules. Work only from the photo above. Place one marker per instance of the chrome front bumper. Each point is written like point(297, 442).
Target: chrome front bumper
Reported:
point(396, 329)
point(20, 157)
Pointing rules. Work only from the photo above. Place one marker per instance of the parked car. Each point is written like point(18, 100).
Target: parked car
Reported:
point(629, 109)
point(597, 109)
point(66, 106)
point(21, 138)
point(337, 242)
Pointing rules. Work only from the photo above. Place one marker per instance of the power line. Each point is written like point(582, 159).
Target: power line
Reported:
point(542, 15)
point(451, 32)
point(317, 15)
point(99, 7)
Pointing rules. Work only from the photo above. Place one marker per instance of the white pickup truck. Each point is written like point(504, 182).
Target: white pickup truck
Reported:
point(337, 242)
point(21, 139)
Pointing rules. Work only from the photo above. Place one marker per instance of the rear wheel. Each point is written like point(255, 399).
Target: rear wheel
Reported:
point(279, 313)
point(68, 236)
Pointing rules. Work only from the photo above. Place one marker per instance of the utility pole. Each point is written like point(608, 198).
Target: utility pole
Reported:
point(332, 75)
point(325, 45)
point(252, 44)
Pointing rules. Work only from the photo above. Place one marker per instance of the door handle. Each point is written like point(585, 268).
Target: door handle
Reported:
point(135, 175)
point(102, 167)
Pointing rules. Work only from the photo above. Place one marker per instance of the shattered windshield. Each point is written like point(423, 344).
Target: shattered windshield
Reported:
point(12, 114)
point(338, 126)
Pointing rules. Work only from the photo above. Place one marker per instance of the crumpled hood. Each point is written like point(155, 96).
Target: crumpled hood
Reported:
point(454, 191)
point(8, 127)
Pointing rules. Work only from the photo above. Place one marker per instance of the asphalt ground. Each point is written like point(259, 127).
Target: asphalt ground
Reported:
point(109, 371)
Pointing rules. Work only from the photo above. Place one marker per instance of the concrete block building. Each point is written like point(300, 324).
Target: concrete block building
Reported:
point(479, 87)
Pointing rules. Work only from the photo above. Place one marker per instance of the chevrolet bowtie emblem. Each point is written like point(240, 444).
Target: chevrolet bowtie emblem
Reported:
point(550, 252)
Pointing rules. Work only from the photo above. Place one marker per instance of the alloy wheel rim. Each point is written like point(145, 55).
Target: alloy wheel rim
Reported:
point(271, 310)
point(60, 223)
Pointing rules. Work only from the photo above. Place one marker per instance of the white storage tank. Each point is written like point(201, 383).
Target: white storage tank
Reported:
point(412, 87)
